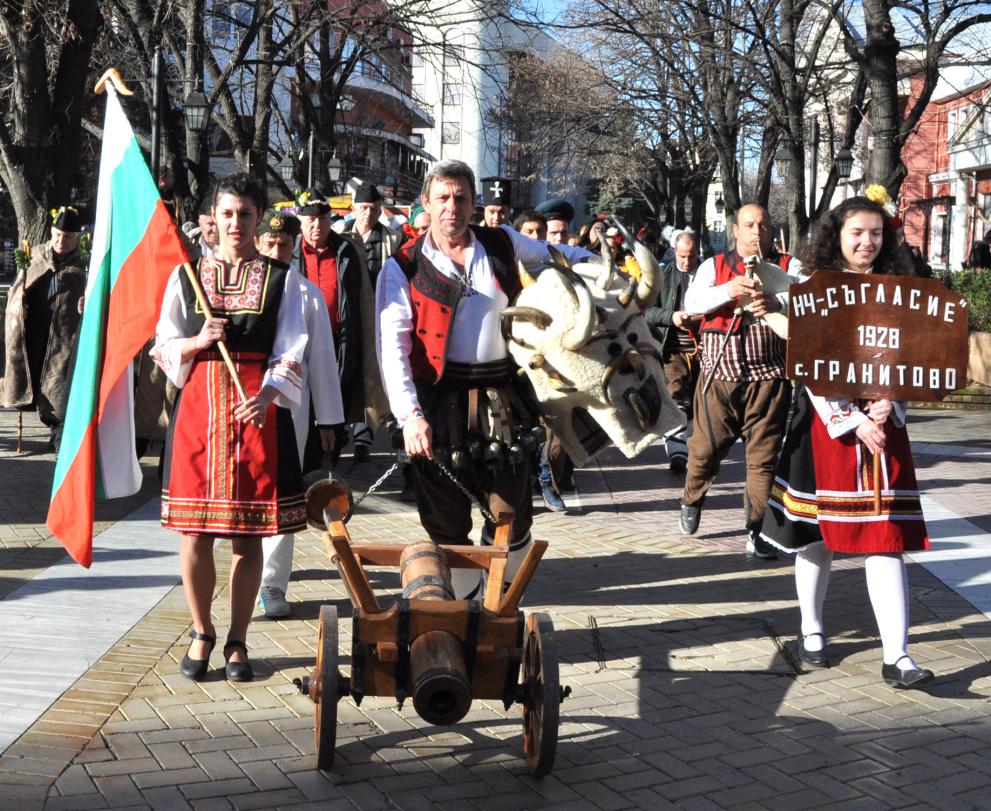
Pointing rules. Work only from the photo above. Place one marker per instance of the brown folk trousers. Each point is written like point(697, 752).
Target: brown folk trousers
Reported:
point(757, 412)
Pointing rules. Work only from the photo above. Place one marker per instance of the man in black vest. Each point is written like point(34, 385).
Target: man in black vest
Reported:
point(446, 369)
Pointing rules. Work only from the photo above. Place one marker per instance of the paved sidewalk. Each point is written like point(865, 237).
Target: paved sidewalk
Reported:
point(687, 692)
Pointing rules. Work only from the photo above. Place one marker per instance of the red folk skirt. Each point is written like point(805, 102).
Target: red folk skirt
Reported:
point(226, 477)
point(844, 494)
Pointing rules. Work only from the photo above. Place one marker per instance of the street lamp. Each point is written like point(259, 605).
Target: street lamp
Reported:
point(783, 159)
point(196, 108)
point(720, 204)
point(286, 169)
point(844, 164)
point(334, 171)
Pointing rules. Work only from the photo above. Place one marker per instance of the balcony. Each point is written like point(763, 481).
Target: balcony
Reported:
point(397, 101)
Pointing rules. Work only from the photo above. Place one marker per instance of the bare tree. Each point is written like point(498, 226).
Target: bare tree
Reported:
point(45, 51)
point(877, 58)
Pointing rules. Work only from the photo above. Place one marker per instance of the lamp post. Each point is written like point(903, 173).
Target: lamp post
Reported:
point(813, 169)
point(334, 172)
point(286, 170)
point(720, 204)
point(157, 88)
point(843, 163)
point(196, 111)
point(783, 159)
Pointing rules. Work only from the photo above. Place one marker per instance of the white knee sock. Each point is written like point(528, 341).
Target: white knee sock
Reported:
point(887, 585)
point(812, 568)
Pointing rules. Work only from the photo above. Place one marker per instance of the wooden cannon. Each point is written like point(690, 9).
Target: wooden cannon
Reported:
point(427, 646)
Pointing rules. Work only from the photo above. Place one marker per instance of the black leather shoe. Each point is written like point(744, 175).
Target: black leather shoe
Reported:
point(237, 671)
point(196, 669)
point(909, 679)
point(690, 517)
point(813, 658)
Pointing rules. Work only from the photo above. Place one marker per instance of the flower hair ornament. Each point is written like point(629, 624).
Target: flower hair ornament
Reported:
point(878, 194)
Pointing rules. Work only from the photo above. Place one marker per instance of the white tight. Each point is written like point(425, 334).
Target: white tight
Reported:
point(887, 586)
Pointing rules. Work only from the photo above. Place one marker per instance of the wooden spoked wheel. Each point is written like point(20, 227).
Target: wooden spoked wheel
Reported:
point(542, 694)
point(324, 687)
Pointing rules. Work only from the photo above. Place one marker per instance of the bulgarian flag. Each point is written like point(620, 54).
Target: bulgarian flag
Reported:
point(135, 248)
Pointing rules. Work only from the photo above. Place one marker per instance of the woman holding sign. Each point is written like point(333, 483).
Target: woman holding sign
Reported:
point(826, 504)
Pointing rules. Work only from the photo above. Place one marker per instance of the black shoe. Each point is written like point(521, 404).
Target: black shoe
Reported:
point(759, 548)
point(361, 454)
point(408, 495)
point(237, 671)
point(691, 514)
point(909, 679)
point(196, 669)
point(678, 465)
point(813, 658)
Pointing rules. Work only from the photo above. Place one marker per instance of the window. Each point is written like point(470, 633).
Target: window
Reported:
point(452, 132)
point(453, 55)
point(452, 94)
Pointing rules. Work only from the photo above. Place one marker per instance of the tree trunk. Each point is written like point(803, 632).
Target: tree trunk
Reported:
point(884, 164)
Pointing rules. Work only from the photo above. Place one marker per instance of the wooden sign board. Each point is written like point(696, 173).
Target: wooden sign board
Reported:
point(871, 337)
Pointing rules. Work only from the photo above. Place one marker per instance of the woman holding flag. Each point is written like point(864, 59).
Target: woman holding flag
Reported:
point(823, 504)
point(225, 472)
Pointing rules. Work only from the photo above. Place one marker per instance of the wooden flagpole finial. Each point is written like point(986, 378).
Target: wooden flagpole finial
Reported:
point(112, 75)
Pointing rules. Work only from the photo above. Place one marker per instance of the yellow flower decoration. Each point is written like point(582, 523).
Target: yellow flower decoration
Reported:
point(276, 223)
point(57, 212)
point(877, 193)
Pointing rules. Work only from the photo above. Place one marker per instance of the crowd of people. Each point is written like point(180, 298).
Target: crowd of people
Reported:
point(337, 329)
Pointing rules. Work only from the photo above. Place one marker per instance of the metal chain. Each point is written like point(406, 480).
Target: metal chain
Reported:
point(376, 485)
point(486, 514)
point(481, 507)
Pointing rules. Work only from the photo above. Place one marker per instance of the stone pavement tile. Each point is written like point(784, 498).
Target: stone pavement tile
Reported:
point(165, 798)
point(217, 788)
point(119, 791)
point(75, 780)
point(79, 802)
point(315, 786)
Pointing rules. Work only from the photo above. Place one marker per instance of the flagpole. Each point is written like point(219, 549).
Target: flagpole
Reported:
point(112, 76)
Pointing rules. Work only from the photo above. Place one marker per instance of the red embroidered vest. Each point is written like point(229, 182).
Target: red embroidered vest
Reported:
point(435, 297)
point(728, 266)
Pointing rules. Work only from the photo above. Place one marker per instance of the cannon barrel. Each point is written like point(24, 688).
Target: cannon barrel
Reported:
point(440, 687)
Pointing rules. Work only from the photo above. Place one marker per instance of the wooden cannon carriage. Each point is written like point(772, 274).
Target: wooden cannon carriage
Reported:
point(440, 652)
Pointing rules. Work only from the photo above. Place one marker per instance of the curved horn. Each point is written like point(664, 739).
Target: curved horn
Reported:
point(604, 279)
point(557, 381)
point(625, 296)
point(558, 258)
point(584, 314)
point(650, 271)
point(530, 314)
point(611, 368)
point(650, 274)
point(630, 358)
point(639, 408)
